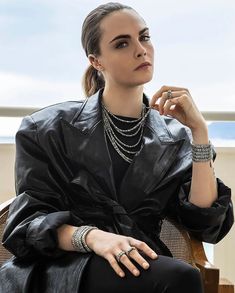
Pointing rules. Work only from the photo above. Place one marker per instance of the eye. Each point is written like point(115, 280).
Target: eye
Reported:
point(121, 44)
point(145, 38)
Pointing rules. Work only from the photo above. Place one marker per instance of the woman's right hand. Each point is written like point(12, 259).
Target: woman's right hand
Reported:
point(108, 245)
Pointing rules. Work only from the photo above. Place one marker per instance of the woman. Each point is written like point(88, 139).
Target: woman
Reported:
point(95, 178)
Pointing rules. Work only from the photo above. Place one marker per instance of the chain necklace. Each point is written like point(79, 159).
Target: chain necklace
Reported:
point(119, 145)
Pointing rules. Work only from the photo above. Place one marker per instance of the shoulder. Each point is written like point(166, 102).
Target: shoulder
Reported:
point(66, 110)
point(49, 116)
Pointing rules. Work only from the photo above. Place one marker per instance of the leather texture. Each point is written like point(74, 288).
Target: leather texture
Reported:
point(64, 175)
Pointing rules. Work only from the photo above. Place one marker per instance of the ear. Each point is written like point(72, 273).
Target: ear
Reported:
point(95, 62)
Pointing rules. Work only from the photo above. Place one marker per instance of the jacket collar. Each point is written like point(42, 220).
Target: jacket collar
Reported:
point(86, 144)
point(91, 114)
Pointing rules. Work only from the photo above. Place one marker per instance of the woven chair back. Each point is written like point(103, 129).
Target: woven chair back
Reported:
point(177, 240)
point(4, 254)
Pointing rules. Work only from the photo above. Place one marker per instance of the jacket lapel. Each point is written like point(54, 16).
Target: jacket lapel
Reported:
point(86, 145)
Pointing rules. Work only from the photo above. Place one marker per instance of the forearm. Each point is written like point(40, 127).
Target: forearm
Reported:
point(64, 234)
point(203, 190)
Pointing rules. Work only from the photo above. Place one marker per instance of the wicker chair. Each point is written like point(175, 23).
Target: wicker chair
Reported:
point(182, 245)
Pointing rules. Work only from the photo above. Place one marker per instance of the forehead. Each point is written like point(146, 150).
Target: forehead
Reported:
point(123, 21)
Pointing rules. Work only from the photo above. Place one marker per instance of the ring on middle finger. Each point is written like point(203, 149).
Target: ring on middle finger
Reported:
point(169, 95)
point(119, 255)
point(130, 249)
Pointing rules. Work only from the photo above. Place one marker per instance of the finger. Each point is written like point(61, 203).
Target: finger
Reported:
point(155, 107)
point(175, 97)
point(134, 254)
point(140, 245)
point(131, 267)
point(163, 100)
point(114, 264)
point(163, 89)
point(168, 105)
point(183, 100)
point(171, 112)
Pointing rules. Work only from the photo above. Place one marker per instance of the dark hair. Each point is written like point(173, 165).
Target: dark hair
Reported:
point(91, 34)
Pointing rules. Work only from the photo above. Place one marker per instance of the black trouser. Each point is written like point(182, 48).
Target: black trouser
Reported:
point(165, 275)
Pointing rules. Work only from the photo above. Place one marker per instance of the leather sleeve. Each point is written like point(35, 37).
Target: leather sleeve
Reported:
point(209, 224)
point(40, 206)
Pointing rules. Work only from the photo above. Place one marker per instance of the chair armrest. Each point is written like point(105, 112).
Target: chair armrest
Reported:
point(5, 206)
point(209, 272)
point(226, 286)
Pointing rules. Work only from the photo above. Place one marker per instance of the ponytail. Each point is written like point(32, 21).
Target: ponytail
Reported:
point(92, 81)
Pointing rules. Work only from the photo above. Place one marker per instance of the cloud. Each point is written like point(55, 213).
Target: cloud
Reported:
point(22, 90)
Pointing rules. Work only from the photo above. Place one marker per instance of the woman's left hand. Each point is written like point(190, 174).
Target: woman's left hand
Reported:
point(180, 106)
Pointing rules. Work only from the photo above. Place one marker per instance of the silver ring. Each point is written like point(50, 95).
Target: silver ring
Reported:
point(119, 255)
point(169, 95)
point(130, 249)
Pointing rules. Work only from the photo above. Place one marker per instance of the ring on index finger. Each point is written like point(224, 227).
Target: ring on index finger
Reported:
point(169, 95)
point(119, 255)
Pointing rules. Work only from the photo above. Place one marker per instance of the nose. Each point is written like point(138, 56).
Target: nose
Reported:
point(140, 50)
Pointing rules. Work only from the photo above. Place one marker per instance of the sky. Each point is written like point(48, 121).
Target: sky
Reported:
point(42, 61)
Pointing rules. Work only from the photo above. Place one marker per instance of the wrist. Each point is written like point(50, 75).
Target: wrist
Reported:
point(64, 234)
point(200, 135)
point(91, 237)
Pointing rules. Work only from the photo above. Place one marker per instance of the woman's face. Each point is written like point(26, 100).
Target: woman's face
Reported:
point(125, 44)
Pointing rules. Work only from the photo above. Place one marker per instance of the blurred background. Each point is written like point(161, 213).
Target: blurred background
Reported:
point(42, 63)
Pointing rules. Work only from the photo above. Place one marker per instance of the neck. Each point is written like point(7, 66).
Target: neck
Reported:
point(123, 101)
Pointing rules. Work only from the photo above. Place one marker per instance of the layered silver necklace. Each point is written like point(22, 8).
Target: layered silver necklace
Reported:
point(119, 145)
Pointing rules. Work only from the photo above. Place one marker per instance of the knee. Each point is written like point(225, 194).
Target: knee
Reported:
point(188, 280)
point(192, 273)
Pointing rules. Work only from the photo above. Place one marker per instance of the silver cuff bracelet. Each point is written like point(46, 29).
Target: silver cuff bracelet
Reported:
point(79, 236)
point(202, 152)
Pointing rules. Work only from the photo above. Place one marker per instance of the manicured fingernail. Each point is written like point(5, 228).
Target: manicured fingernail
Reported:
point(145, 265)
point(121, 274)
point(154, 254)
point(135, 272)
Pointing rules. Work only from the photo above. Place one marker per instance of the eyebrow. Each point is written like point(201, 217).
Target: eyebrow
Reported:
point(128, 36)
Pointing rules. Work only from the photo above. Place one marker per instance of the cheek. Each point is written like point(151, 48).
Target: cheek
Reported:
point(151, 51)
point(119, 65)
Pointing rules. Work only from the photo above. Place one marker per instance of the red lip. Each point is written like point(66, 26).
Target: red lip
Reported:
point(143, 65)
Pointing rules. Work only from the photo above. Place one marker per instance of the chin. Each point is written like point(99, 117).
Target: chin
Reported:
point(144, 80)
point(138, 81)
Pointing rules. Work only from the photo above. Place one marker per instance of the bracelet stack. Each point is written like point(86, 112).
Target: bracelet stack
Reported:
point(202, 152)
point(79, 236)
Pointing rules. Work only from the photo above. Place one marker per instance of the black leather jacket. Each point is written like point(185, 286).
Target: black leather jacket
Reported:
point(64, 175)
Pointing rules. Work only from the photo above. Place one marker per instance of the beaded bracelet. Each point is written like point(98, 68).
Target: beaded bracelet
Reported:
point(78, 238)
point(202, 152)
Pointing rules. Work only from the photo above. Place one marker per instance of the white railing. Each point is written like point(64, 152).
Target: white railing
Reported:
point(16, 111)
point(23, 111)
